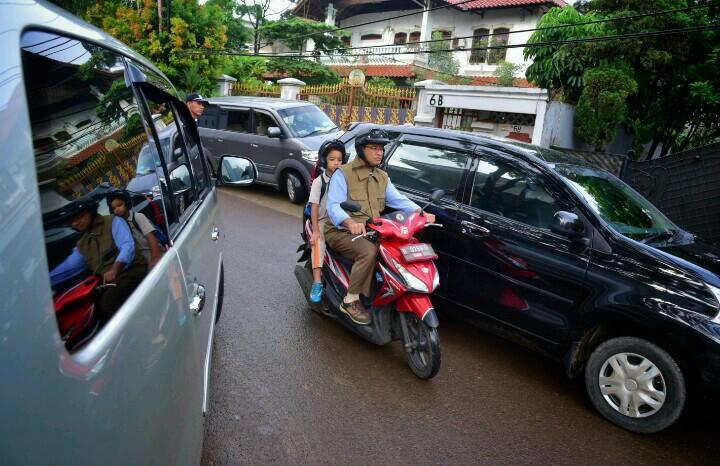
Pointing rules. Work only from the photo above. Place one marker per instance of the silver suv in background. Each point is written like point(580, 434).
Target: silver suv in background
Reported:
point(281, 137)
point(128, 385)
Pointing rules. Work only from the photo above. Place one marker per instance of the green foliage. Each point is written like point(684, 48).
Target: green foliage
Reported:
point(246, 69)
point(603, 104)
point(445, 62)
point(506, 72)
point(675, 106)
point(308, 71)
point(238, 36)
point(192, 26)
point(293, 32)
point(379, 81)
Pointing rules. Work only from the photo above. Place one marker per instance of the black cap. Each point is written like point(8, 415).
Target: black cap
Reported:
point(194, 97)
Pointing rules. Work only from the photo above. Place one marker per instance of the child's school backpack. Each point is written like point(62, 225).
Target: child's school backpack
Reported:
point(307, 211)
point(159, 234)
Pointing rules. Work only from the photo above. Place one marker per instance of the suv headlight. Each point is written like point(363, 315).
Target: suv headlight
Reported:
point(309, 155)
point(411, 281)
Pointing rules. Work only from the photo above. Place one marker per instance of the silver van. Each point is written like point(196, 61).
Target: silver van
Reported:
point(281, 137)
point(130, 385)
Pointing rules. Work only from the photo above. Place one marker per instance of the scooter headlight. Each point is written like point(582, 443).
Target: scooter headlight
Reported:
point(411, 281)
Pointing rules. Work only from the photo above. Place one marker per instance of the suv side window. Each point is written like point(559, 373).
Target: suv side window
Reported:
point(263, 121)
point(238, 120)
point(88, 133)
point(514, 192)
point(424, 168)
point(192, 146)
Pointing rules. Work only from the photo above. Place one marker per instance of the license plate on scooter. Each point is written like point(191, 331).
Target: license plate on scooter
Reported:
point(418, 252)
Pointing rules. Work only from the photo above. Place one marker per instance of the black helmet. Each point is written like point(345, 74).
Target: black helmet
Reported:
point(374, 136)
point(326, 147)
point(81, 204)
point(118, 194)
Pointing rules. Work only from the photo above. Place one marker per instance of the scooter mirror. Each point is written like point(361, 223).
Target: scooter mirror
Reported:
point(350, 206)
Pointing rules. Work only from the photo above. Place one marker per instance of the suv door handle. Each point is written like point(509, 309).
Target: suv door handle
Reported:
point(252, 144)
point(220, 140)
point(197, 303)
point(474, 228)
point(215, 234)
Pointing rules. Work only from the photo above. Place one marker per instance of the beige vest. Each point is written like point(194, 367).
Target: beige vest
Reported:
point(366, 189)
point(98, 248)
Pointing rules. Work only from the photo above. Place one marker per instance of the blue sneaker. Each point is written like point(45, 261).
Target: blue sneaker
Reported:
point(316, 292)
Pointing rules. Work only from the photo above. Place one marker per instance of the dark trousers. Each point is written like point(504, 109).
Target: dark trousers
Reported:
point(113, 297)
point(362, 252)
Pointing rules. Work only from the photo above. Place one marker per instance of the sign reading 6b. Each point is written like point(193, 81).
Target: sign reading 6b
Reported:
point(436, 100)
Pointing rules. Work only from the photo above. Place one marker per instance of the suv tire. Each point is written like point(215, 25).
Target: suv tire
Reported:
point(635, 384)
point(295, 187)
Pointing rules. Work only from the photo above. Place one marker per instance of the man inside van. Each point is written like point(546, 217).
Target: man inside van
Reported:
point(106, 248)
point(364, 182)
point(196, 104)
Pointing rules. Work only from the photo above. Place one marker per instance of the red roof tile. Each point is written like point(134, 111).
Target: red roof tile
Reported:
point(389, 71)
point(483, 4)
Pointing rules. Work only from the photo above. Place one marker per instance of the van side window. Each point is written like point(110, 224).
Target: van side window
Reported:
point(238, 120)
point(192, 145)
point(180, 194)
point(263, 121)
point(88, 138)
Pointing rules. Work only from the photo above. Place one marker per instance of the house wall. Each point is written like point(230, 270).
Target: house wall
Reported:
point(458, 22)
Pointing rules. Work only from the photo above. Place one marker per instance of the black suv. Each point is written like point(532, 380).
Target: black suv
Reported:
point(571, 261)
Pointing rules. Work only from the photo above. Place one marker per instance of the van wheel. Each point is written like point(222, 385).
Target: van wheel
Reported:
point(635, 384)
point(221, 293)
point(295, 187)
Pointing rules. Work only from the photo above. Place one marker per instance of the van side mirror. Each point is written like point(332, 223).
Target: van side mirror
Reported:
point(274, 132)
point(567, 224)
point(236, 171)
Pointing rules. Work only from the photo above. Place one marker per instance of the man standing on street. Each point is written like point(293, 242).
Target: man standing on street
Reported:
point(196, 104)
point(363, 182)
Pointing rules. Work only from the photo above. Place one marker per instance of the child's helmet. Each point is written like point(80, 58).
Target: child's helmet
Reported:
point(326, 147)
point(118, 194)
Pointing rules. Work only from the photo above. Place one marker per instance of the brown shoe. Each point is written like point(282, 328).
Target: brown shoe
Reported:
point(357, 312)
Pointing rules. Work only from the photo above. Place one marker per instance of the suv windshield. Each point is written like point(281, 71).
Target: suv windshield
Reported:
point(148, 160)
point(619, 205)
point(306, 120)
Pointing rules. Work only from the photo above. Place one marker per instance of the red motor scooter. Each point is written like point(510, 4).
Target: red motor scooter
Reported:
point(405, 276)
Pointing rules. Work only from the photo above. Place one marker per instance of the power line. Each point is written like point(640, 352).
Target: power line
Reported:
point(638, 35)
point(560, 26)
point(301, 36)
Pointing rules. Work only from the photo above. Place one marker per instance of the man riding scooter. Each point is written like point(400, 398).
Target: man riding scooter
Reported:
point(364, 182)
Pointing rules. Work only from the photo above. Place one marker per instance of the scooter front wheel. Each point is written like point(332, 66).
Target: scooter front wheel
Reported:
point(422, 346)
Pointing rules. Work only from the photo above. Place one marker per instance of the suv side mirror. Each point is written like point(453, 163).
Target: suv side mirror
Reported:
point(567, 224)
point(274, 132)
point(236, 171)
point(180, 180)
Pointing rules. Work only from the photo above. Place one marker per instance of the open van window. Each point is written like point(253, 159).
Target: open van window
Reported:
point(77, 165)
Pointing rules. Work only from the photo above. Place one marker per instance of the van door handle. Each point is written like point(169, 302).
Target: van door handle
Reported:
point(197, 303)
point(215, 234)
point(474, 228)
point(252, 144)
point(220, 140)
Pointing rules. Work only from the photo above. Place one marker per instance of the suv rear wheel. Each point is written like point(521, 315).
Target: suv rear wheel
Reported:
point(295, 187)
point(635, 384)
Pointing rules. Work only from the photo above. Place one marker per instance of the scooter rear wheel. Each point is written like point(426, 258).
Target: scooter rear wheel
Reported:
point(422, 347)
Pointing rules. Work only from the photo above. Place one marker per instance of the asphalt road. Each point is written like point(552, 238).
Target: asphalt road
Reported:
point(291, 387)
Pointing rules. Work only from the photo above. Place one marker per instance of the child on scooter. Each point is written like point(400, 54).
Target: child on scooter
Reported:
point(330, 156)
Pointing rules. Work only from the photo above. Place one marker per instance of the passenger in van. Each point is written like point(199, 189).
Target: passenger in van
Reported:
point(142, 229)
point(106, 247)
